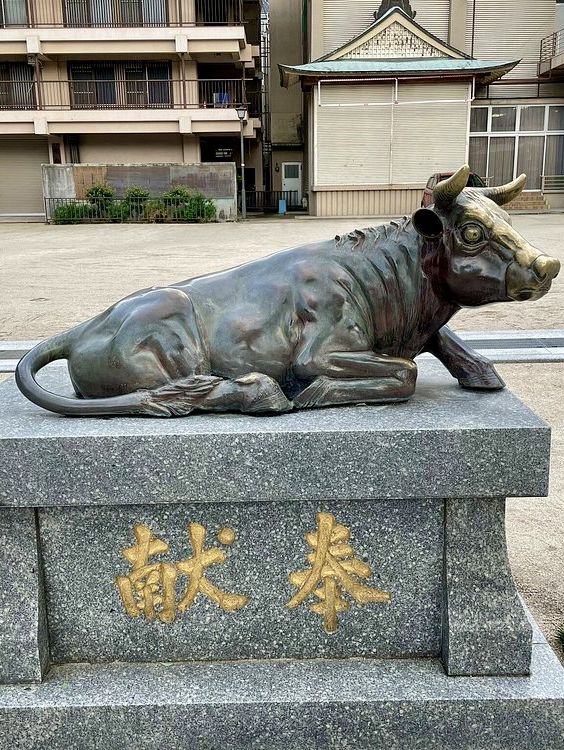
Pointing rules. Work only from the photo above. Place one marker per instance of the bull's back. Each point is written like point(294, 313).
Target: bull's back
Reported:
point(252, 315)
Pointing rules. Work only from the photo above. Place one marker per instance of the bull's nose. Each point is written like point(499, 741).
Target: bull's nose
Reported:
point(546, 268)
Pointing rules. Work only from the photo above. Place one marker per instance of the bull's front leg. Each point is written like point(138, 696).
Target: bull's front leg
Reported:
point(354, 377)
point(464, 363)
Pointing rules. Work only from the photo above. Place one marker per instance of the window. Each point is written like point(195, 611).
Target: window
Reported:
point(92, 85)
point(13, 13)
point(100, 13)
point(554, 155)
point(503, 119)
point(479, 120)
point(529, 159)
point(147, 85)
point(226, 12)
point(502, 154)
point(17, 87)
point(532, 119)
point(131, 12)
point(478, 156)
point(128, 85)
point(291, 171)
point(556, 118)
point(525, 138)
point(72, 149)
point(56, 153)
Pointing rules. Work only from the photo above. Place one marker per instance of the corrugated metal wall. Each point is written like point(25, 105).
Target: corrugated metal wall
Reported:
point(510, 29)
point(433, 15)
point(21, 190)
point(359, 144)
point(365, 202)
point(353, 146)
point(429, 137)
point(342, 21)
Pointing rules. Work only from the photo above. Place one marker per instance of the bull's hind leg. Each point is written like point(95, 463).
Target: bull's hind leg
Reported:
point(359, 377)
point(254, 393)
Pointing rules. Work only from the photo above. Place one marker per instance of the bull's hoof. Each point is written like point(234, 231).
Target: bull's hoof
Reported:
point(485, 378)
point(314, 394)
point(262, 395)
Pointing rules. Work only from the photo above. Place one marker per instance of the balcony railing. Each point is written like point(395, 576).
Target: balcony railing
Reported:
point(123, 94)
point(118, 13)
point(552, 45)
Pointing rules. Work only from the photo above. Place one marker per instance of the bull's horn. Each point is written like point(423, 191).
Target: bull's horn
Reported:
point(447, 191)
point(505, 193)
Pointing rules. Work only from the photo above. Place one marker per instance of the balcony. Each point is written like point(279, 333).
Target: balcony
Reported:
point(142, 93)
point(127, 105)
point(119, 13)
point(551, 63)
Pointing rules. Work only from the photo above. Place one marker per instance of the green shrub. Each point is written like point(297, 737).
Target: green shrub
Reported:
point(72, 213)
point(135, 193)
point(176, 195)
point(156, 211)
point(198, 208)
point(135, 199)
point(184, 205)
point(100, 196)
point(176, 204)
point(100, 191)
point(204, 207)
point(118, 211)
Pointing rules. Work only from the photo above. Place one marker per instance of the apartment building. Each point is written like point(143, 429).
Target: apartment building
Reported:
point(395, 91)
point(125, 82)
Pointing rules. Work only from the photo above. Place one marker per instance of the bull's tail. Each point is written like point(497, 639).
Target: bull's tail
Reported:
point(175, 399)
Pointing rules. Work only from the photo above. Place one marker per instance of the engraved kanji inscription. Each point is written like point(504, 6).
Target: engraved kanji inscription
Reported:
point(195, 567)
point(334, 571)
point(150, 588)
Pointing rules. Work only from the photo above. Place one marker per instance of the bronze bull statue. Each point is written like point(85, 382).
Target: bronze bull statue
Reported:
point(335, 322)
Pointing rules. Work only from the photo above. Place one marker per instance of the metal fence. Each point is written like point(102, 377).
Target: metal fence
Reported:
point(118, 13)
point(553, 183)
point(267, 201)
point(136, 210)
point(141, 93)
point(552, 45)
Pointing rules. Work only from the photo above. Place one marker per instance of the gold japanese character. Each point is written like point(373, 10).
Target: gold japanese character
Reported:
point(334, 570)
point(196, 566)
point(149, 589)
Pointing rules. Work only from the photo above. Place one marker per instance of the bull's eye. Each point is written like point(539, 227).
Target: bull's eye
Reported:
point(472, 234)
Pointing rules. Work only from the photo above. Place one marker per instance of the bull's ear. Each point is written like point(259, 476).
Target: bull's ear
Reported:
point(427, 223)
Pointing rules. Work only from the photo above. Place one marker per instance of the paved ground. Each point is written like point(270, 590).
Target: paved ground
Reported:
point(54, 277)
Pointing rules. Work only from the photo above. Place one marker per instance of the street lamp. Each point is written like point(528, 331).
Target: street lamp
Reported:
point(242, 115)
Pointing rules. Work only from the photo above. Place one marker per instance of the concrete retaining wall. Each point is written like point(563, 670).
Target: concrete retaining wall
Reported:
point(215, 181)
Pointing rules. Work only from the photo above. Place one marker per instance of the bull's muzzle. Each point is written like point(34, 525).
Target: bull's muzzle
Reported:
point(546, 268)
point(533, 281)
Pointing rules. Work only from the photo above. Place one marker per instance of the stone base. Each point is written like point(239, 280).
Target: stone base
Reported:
point(377, 704)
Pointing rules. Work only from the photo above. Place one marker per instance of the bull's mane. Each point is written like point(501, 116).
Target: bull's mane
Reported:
point(362, 239)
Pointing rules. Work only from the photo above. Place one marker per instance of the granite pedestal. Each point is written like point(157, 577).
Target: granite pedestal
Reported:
point(327, 579)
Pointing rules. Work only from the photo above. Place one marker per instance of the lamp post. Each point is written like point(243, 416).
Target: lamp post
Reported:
point(242, 115)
